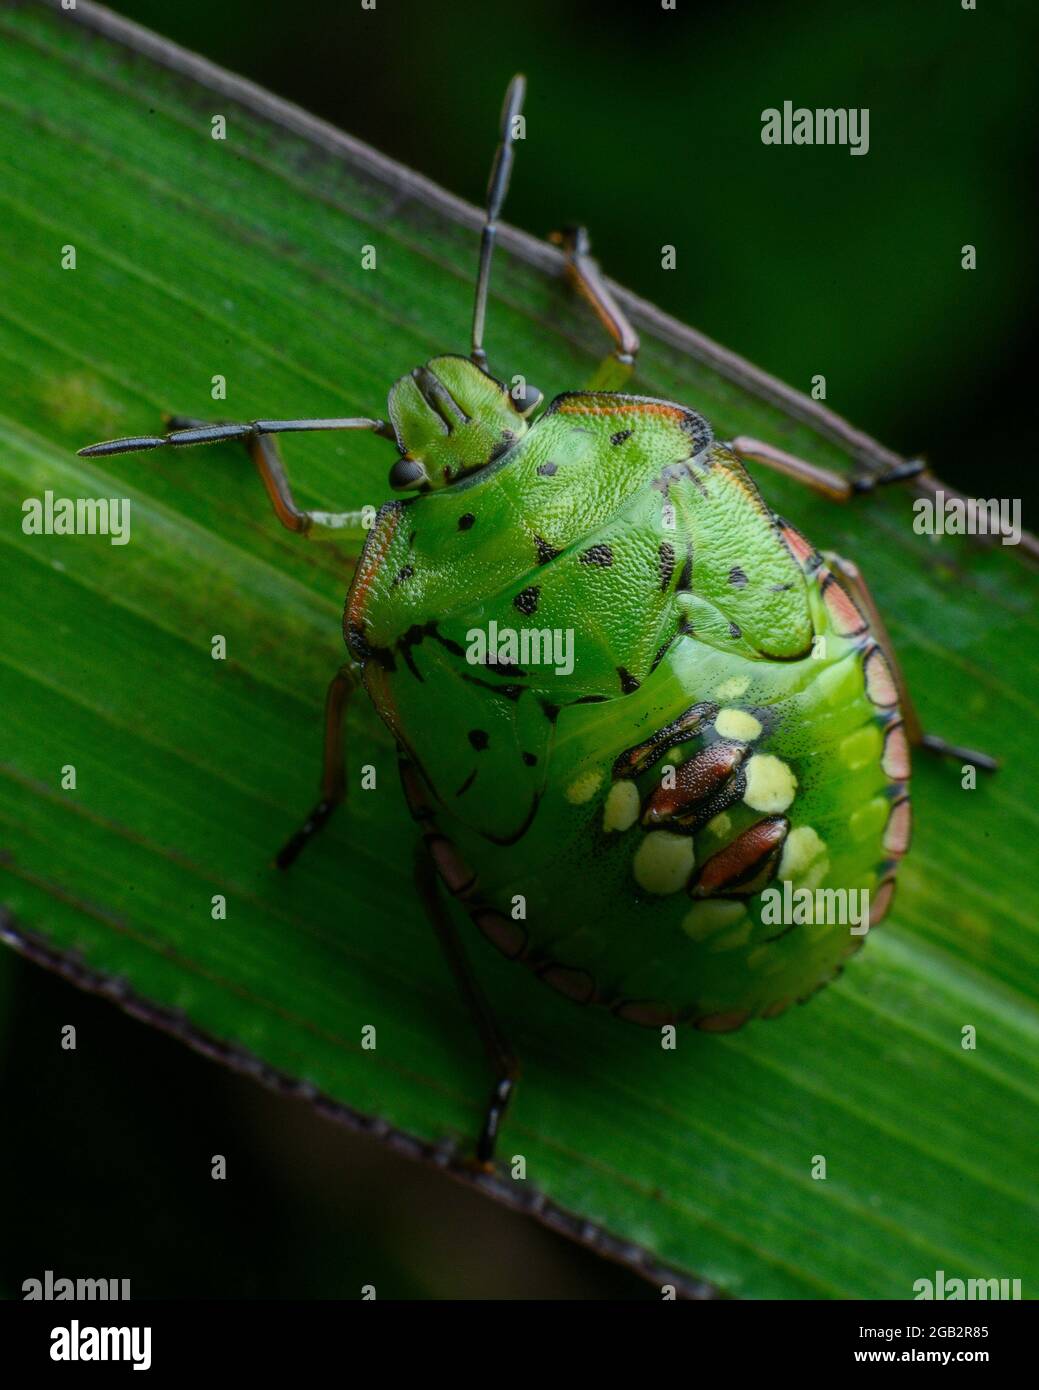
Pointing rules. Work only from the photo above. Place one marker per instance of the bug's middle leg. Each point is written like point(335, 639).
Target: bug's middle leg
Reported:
point(333, 774)
point(850, 576)
point(584, 273)
point(824, 481)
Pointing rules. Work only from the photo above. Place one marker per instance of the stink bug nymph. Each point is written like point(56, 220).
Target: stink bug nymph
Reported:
point(724, 716)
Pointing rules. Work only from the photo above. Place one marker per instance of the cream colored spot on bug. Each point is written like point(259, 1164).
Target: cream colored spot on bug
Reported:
point(663, 862)
point(733, 688)
point(711, 916)
point(802, 848)
point(720, 826)
point(738, 724)
point(770, 784)
point(583, 788)
point(861, 748)
point(869, 820)
point(622, 807)
point(739, 936)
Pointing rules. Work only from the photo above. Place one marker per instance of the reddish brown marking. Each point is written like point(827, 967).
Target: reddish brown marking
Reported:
point(881, 902)
point(723, 1023)
point(577, 985)
point(844, 612)
point(747, 864)
point(414, 791)
point(895, 761)
point(368, 569)
point(508, 936)
point(779, 1007)
point(645, 1012)
point(634, 761)
point(697, 780)
point(899, 828)
point(626, 408)
point(797, 545)
point(458, 878)
point(880, 683)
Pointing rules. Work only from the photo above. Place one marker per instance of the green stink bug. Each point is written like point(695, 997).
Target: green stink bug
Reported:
point(630, 701)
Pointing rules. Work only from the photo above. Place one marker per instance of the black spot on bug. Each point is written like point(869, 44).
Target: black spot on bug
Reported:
point(530, 759)
point(478, 738)
point(590, 700)
point(662, 652)
point(508, 692)
point(411, 540)
point(685, 579)
point(735, 631)
point(667, 563)
point(467, 783)
point(780, 588)
point(737, 578)
point(464, 522)
point(628, 682)
point(551, 711)
point(601, 555)
point(404, 574)
point(547, 470)
point(527, 600)
point(621, 436)
point(545, 552)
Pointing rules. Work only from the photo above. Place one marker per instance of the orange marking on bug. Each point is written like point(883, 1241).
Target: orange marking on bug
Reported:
point(899, 828)
point(746, 864)
point(671, 412)
point(895, 761)
point(881, 902)
point(880, 683)
point(723, 1023)
point(369, 568)
point(797, 545)
point(844, 612)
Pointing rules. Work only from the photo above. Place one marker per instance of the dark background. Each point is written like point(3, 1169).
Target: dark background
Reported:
point(645, 125)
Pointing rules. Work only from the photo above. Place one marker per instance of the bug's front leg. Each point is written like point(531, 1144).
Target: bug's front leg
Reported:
point(503, 1063)
point(333, 774)
point(584, 273)
point(851, 577)
point(256, 435)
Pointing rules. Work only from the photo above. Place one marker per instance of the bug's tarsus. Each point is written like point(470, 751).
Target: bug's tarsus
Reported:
point(938, 746)
point(900, 473)
point(499, 1054)
point(497, 187)
point(333, 771)
point(583, 272)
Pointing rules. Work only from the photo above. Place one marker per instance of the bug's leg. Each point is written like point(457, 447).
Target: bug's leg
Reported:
point(583, 272)
point(851, 577)
point(256, 436)
point(333, 771)
point(499, 1054)
point(829, 484)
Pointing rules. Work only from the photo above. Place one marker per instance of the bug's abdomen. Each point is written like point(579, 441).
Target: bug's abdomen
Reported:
point(685, 826)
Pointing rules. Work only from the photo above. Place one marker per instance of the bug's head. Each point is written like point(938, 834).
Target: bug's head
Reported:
point(451, 419)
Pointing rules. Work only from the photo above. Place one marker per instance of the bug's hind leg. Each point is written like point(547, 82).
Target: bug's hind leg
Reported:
point(499, 1054)
point(584, 273)
point(851, 577)
point(333, 774)
point(824, 481)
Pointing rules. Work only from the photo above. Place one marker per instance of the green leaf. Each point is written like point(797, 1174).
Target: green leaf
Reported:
point(242, 257)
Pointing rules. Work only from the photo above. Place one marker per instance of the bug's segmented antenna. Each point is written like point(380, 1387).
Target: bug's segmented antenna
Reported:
point(497, 187)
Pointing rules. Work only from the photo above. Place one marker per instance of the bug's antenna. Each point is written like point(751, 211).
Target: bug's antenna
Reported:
point(497, 187)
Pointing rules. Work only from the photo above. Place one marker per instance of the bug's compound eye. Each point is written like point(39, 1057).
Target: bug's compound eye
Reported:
point(526, 398)
point(406, 473)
